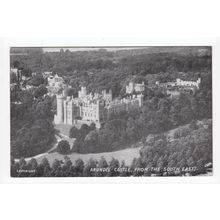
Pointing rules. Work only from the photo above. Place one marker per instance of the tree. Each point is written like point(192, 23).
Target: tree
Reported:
point(91, 141)
point(63, 147)
point(190, 162)
point(182, 132)
point(83, 131)
point(182, 163)
point(40, 91)
point(137, 166)
point(200, 165)
point(14, 168)
point(42, 108)
point(32, 164)
point(73, 133)
point(102, 164)
point(92, 126)
point(114, 165)
point(56, 165)
point(34, 137)
point(66, 166)
point(26, 72)
point(36, 80)
point(43, 169)
point(193, 125)
point(124, 170)
point(89, 165)
point(77, 145)
point(44, 162)
point(16, 64)
point(22, 163)
point(79, 166)
point(175, 113)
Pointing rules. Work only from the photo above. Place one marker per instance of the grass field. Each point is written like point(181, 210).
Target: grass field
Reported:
point(127, 155)
point(63, 128)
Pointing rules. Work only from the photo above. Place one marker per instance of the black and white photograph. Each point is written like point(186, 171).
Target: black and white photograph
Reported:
point(111, 111)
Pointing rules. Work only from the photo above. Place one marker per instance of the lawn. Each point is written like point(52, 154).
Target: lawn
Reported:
point(127, 155)
point(63, 128)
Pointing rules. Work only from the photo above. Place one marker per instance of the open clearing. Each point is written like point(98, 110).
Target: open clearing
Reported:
point(127, 155)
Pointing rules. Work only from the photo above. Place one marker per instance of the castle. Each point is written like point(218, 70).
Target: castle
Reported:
point(88, 108)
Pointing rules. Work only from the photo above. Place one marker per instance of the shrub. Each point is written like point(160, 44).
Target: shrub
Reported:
point(63, 147)
point(182, 132)
point(73, 133)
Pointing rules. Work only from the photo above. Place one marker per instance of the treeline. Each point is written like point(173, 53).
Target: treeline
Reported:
point(65, 62)
point(188, 152)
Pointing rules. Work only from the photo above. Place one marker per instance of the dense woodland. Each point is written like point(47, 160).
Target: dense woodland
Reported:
point(32, 130)
point(104, 69)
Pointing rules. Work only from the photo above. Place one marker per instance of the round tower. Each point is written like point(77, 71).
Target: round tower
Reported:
point(83, 92)
point(59, 116)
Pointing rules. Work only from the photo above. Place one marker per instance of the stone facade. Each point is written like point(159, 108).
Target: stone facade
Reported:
point(55, 84)
point(175, 88)
point(135, 87)
point(180, 83)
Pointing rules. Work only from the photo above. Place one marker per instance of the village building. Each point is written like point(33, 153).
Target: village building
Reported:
point(55, 85)
point(135, 87)
point(173, 89)
point(17, 73)
point(47, 74)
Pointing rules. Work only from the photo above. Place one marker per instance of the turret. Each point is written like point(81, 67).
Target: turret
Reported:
point(110, 95)
point(178, 81)
point(82, 93)
point(140, 98)
point(104, 93)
